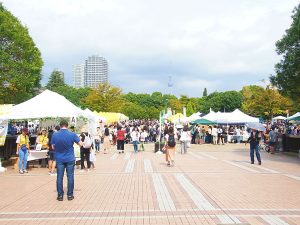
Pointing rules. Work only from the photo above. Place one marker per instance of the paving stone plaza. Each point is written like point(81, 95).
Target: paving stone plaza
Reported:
point(208, 185)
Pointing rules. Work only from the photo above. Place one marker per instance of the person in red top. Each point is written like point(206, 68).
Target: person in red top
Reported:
point(120, 139)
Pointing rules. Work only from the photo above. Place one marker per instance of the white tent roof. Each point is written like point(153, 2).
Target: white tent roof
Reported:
point(233, 117)
point(46, 104)
point(279, 118)
point(194, 116)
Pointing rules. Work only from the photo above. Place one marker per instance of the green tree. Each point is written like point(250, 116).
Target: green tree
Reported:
point(175, 104)
point(205, 92)
point(264, 102)
point(287, 77)
point(56, 79)
point(20, 60)
point(105, 98)
point(184, 99)
point(221, 101)
point(74, 95)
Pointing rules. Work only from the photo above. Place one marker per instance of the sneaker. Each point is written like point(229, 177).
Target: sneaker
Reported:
point(53, 174)
point(25, 171)
point(21, 171)
point(252, 162)
point(70, 198)
point(60, 198)
point(259, 163)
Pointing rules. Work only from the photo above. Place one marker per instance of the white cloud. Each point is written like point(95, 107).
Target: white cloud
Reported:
point(202, 41)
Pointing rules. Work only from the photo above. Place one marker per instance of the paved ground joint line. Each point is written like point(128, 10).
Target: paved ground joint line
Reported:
point(274, 220)
point(200, 201)
point(114, 156)
point(164, 199)
point(292, 176)
point(147, 166)
point(241, 166)
point(207, 155)
point(130, 166)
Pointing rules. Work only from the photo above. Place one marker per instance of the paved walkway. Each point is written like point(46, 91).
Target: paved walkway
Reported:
point(209, 185)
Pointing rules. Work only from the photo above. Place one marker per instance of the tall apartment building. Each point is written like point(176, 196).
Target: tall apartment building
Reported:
point(78, 75)
point(95, 72)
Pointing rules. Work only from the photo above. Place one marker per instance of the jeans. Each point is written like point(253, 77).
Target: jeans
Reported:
point(135, 146)
point(61, 166)
point(23, 157)
point(183, 147)
point(97, 145)
point(257, 153)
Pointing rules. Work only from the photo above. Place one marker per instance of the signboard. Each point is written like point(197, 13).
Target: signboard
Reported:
point(3, 131)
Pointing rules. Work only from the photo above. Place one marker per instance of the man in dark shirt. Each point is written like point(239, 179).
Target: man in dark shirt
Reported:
point(62, 143)
point(254, 146)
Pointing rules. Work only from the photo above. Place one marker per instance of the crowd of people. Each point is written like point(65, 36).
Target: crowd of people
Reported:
point(137, 132)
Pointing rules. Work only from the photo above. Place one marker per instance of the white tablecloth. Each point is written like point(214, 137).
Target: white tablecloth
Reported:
point(34, 155)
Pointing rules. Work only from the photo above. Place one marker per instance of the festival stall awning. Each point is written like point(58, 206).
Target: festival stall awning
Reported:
point(203, 122)
point(279, 118)
point(5, 109)
point(195, 116)
point(295, 117)
point(48, 104)
point(235, 117)
point(112, 117)
point(178, 118)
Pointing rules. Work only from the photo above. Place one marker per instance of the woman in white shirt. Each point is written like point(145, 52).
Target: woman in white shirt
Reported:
point(184, 139)
point(135, 136)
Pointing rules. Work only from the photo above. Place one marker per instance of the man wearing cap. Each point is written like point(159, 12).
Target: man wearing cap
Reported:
point(62, 143)
point(254, 145)
point(23, 150)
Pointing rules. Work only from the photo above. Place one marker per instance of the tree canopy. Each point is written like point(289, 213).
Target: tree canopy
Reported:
point(264, 102)
point(56, 80)
point(287, 77)
point(105, 98)
point(20, 60)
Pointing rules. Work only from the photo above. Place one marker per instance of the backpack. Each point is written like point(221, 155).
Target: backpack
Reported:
point(171, 140)
point(87, 143)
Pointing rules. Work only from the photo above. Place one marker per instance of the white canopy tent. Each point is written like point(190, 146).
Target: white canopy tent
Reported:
point(235, 117)
point(48, 104)
point(279, 118)
point(195, 116)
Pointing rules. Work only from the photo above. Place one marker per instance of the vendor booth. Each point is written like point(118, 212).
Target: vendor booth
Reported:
point(46, 105)
point(111, 117)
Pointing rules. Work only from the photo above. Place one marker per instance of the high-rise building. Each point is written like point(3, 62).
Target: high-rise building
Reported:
point(78, 75)
point(96, 71)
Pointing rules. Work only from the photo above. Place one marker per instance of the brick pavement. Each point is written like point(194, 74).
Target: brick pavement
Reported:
point(209, 185)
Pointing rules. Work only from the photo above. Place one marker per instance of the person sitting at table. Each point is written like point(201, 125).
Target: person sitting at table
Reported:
point(42, 139)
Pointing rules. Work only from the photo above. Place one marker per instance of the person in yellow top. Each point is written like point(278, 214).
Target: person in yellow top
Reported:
point(43, 139)
point(23, 150)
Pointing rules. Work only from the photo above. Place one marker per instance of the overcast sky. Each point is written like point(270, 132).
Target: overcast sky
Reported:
point(218, 44)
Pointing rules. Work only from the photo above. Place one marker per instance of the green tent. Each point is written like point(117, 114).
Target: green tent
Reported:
point(202, 122)
point(295, 117)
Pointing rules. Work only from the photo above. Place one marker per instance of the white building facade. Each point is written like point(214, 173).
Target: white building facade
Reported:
point(92, 73)
point(78, 75)
point(96, 71)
